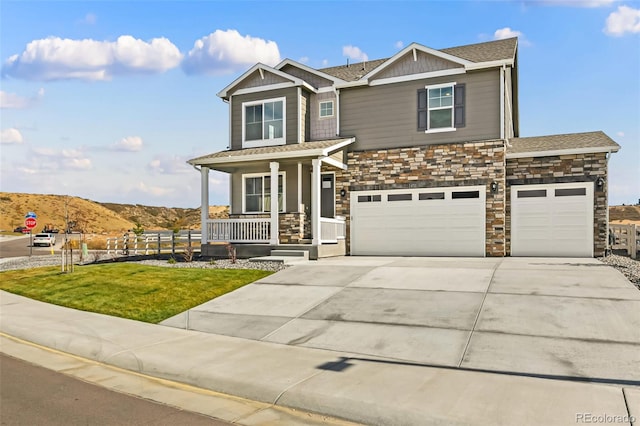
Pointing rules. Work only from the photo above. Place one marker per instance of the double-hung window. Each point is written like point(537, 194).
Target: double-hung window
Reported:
point(257, 193)
point(441, 107)
point(263, 123)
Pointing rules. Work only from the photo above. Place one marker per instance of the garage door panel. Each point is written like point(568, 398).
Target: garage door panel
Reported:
point(427, 227)
point(560, 223)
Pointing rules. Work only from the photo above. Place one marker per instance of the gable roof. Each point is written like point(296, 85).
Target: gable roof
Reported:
point(308, 69)
point(499, 50)
point(224, 93)
point(566, 144)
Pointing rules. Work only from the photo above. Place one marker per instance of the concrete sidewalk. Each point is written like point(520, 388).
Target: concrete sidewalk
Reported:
point(364, 389)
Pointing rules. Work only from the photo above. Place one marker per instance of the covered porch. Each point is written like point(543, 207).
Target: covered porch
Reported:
point(279, 197)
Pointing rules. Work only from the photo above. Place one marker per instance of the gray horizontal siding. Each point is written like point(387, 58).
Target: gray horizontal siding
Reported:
point(386, 116)
point(291, 170)
point(292, 113)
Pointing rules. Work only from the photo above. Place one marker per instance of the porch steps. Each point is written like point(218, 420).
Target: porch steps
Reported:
point(284, 256)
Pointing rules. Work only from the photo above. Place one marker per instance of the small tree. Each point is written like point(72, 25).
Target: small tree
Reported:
point(138, 230)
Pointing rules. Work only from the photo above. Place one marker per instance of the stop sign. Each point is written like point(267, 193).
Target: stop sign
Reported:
point(30, 223)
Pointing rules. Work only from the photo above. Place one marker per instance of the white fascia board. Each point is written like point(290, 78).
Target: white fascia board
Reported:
point(225, 92)
point(421, 76)
point(333, 162)
point(489, 64)
point(421, 48)
point(309, 70)
point(266, 88)
point(572, 151)
point(337, 146)
point(348, 84)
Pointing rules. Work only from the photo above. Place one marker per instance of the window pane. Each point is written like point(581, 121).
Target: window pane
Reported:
point(253, 126)
point(570, 192)
point(253, 131)
point(431, 196)
point(399, 197)
point(532, 193)
point(465, 194)
point(440, 118)
point(268, 111)
point(253, 194)
point(277, 110)
point(273, 129)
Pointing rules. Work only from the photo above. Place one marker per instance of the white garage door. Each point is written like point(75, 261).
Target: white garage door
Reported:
point(552, 220)
point(419, 222)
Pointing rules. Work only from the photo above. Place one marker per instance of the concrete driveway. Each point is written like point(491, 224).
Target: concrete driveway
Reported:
point(564, 318)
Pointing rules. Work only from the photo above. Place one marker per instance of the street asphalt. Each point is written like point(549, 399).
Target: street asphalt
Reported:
point(388, 341)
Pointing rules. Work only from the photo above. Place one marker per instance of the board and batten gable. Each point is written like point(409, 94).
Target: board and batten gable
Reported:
point(313, 79)
point(257, 80)
point(385, 116)
point(291, 127)
point(406, 65)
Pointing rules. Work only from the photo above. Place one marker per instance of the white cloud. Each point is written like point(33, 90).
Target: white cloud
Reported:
point(89, 19)
point(303, 60)
point(15, 101)
point(128, 144)
point(577, 3)
point(353, 52)
point(153, 190)
point(325, 62)
point(624, 20)
point(228, 51)
point(399, 44)
point(620, 134)
point(54, 58)
point(11, 136)
point(506, 32)
point(169, 165)
point(48, 159)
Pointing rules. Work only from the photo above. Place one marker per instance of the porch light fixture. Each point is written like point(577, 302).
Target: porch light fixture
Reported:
point(494, 187)
point(600, 182)
point(343, 192)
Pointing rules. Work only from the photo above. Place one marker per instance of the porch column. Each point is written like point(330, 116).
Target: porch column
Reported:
point(274, 165)
point(204, 204)
point(315, 202)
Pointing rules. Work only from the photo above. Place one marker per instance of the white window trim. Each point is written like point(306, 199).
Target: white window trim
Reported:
point(453, 111)
point(320, 108)
point(265, 142)
point(268, 176)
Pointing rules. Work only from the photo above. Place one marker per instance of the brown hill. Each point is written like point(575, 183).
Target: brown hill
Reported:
point(94, 217)
point(624, 214)
point(89, 216)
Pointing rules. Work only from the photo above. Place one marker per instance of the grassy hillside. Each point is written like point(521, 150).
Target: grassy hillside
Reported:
point(50, 209)
point(94, 217)
point(624, 214)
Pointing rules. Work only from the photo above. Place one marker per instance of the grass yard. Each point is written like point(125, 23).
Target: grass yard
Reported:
point(140, 292)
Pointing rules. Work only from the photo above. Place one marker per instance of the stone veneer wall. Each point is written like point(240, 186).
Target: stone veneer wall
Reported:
point(446, 165)
point(563, 169)
point(293, 227)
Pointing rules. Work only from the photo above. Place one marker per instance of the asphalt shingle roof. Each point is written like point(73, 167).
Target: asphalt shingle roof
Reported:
point(479, 52)
point(239, 153)
point(569, 141)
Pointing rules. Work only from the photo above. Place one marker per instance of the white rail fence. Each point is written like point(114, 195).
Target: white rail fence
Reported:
point(332, 230)
point(239, 230)
point(154, 243)
point(625, 237)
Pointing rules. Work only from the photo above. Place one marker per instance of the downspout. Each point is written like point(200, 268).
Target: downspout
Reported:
point(502, 102)
point(229, 103)
point(300, 118)
point(337, 92)
point(607, 247)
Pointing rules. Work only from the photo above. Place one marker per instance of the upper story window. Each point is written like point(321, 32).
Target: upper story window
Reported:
point(441, 108)
point(326, 109)
point(263, 122)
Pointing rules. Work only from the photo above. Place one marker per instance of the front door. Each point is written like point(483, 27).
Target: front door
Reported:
point(327, 195)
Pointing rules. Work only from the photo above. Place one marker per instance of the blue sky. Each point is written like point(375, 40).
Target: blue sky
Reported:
point(107, 100)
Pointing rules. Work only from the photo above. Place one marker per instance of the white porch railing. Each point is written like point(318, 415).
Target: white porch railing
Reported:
point(239, 230)
point(332, 230)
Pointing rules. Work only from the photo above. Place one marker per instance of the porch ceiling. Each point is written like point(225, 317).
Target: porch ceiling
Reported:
point(231, 159)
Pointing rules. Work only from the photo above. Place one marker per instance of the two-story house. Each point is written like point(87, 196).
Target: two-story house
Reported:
point(418, 154)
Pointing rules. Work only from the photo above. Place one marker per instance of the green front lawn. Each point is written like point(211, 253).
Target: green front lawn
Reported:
point(139, 292)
